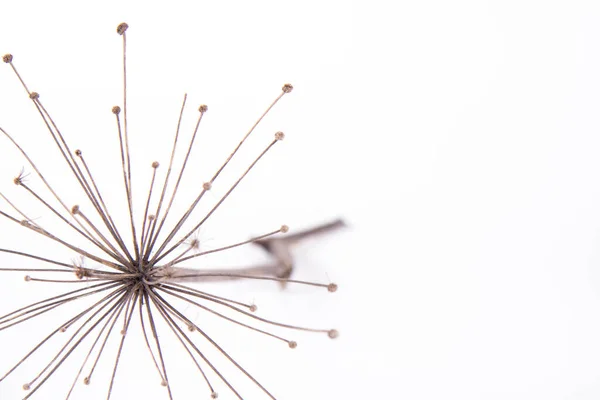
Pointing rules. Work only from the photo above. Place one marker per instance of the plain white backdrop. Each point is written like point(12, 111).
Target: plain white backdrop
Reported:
point(459, 140)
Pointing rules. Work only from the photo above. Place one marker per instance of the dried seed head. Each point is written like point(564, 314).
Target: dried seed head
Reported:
point(122, 28)
point(143, 270)
point(287, 88)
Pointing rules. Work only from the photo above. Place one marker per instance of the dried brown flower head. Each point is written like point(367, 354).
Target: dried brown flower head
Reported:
point(134, 272)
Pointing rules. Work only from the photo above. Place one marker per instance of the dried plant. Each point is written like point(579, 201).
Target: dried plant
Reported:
point(137, 273)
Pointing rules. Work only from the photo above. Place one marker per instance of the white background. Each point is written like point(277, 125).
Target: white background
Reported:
point(459, 140)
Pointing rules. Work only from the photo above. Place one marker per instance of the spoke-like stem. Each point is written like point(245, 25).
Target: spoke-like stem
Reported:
point(202, 110)
point(39, 173)
point(163, 310)
point(156, 340)
point(179, 259)
point(112, 318)
point(165, 184)
point(59, 329)
point(210, 310)
point(76, 344)
point(140, 308)
point(186, 346)
point(160, 255)
point(287, 88)
point(219, 348)
point(114, 255)
point(131, 297)
point(145, 232)
point(36, 228)
point(105, 214)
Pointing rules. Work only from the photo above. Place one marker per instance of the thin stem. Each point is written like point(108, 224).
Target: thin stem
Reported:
point(168, 318)
point(231, 246)
point(159, 255)
point(105, 215)
point(114, 255)
point(60, 327)
point(202, 110)
point(74, 345)
point(152, 237)
point(156, 340)
point(144, 221)
point(127, 319)
point(221, 350)
point(210, 310)
point(185, 346)
point(113, 317)
point(140, 308)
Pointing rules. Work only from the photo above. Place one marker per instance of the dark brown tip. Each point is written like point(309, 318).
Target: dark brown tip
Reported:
point(34, 95)
point(332, 287)
point(214, 395)
point(75, 210)
point(78, 153)
point(7, 58)
point(203, 108)
point(116, 110)
point(26, 386)
point(122, 28)
point(253, 307)
point(287, 88)
point(206, 185)
point(292, 344)
point(155, 164)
